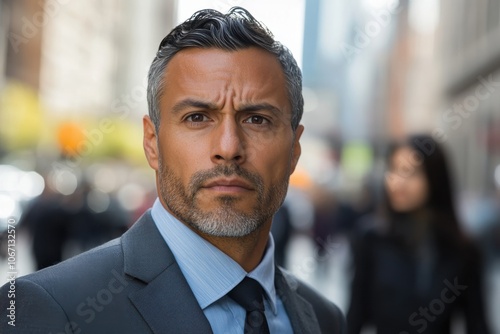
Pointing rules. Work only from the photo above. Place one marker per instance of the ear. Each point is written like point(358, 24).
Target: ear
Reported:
point(150, 142)
point(296, 147)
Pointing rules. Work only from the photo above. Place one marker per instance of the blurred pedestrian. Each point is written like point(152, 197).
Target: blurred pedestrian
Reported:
point(333, 218)
point(47, 221)
point(66, 225)
point(282, 230)
point(415, 269)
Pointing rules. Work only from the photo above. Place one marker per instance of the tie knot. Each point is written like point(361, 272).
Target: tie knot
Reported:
point(248, 293)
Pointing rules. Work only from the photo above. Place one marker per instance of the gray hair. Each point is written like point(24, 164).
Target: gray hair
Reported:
point(235, 30)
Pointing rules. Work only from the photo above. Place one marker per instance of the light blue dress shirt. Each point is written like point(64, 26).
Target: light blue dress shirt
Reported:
point(211, 274)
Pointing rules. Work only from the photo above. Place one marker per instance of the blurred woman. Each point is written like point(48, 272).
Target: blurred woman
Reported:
point(415, 270)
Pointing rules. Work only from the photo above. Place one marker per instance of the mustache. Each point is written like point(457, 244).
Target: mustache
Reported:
point(202, 177)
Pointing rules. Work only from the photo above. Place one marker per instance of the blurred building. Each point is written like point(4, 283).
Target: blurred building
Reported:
point(4, 18)
point(469, 115)
point(80, 60)
point(76, 61)
point(350, 101)
point(81, 55)
point(22, 40)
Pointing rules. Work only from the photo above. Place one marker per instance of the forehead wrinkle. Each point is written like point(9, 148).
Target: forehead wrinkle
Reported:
point(255, 97)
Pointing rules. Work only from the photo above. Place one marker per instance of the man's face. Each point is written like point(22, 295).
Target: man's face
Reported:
point(225, 148)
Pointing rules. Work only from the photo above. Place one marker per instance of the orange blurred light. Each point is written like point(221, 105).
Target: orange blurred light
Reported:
point(300, 179)
point(70, 136)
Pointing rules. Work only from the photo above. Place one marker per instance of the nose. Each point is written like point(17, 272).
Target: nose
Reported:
point(394, 181)
point(228, 142)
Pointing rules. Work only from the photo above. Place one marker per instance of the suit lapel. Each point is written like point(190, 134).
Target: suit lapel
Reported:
point(166, 302)
point(300, 312)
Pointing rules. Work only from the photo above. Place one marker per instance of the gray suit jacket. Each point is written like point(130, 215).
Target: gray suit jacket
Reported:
point(134, 285)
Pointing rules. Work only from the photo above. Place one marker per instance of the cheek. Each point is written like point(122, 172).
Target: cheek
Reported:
point(272, 161)
point(389, 182)
point(394, 182)
point(418, 189)
point(181, 156)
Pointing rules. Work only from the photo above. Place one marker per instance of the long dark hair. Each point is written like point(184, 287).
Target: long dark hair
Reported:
point(431, 158)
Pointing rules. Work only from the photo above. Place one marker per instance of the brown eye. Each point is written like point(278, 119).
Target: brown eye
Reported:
point(256, 120)
point(197, 118)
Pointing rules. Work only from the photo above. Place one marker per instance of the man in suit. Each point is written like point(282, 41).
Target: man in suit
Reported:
point(223, 136)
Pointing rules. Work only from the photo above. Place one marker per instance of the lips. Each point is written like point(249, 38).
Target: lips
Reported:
point(228, 184)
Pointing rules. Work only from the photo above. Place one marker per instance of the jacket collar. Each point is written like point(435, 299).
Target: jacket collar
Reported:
point(300, 311)
point(166, 294)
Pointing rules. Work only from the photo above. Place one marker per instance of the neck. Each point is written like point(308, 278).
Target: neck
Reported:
point(247, 251)
point(415, 216)
point(421, 215)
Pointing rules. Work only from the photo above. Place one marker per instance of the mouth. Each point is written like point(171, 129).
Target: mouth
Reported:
point(228, 185)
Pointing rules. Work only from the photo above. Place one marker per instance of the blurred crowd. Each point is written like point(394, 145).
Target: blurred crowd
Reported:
point(411, 265)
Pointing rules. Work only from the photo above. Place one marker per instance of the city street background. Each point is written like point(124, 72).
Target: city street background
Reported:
point(73, 77)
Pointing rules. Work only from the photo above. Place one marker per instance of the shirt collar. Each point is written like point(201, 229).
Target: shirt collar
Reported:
point(210, 273)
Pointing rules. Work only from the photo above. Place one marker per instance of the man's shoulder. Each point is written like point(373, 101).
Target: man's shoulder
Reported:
point(328, 314)
point(97, 263)
point(88, 265)
point(77, 292)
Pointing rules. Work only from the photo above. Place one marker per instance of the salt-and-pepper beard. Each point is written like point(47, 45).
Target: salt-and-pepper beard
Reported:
point(226, 220)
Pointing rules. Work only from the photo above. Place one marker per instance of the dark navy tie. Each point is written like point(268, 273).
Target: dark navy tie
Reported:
point(249, 294)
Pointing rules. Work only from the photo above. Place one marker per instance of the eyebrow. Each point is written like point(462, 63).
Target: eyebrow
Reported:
point(260, 106)
point(194, 103)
